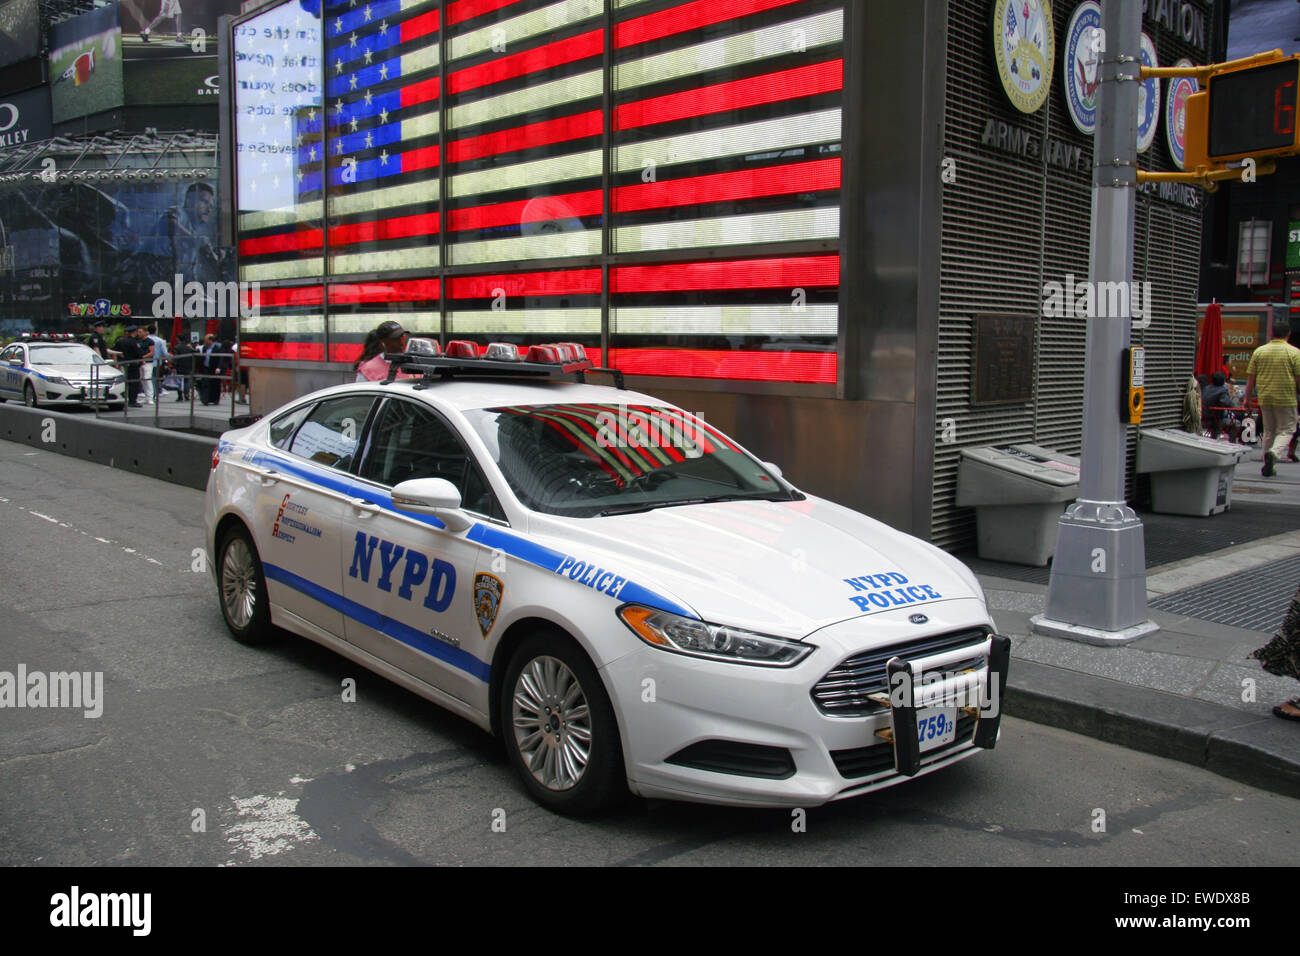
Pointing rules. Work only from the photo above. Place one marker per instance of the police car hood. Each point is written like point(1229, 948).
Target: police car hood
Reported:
point(78, 371)
point(786, 568)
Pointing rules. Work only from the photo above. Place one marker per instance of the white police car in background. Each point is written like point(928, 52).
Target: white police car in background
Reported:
point(616, 588)
point(57, 371)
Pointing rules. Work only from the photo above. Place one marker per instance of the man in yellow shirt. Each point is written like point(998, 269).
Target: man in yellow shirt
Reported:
point(1275, 369)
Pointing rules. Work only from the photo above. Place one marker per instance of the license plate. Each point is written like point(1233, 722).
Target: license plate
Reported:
point(936, 726)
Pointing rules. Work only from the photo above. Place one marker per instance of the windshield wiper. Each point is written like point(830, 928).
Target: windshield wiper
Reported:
point(711, 499)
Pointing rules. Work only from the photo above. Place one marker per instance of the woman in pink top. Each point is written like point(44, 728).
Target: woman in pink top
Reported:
point(372, 366)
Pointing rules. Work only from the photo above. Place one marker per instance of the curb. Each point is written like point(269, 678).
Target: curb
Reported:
point(1263, 752)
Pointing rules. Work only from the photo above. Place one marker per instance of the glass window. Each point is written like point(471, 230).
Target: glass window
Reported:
point(329, 435)
point(283, 427)
point(409, 441)
point(591, 460)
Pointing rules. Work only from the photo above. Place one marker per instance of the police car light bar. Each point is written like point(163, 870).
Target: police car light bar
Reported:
point(449, 366)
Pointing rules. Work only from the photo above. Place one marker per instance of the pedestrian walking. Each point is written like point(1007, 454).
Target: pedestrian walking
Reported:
point(372, 366)
point(1274, 372)
point(183, 362)
point(154, 371)
point(209, 366)
point(1281, 656)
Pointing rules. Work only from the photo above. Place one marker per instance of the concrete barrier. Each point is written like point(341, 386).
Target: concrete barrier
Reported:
point(170, 456)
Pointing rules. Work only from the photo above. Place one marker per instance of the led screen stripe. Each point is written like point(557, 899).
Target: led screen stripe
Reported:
point(539, 323)
point(542, 133)
point(567, 282)
point(458, 11)
point(826, 77)
point(774, 320)
point(800, 129)
point(821, 223)
point(498, 296)
point(585, 165)
point(689, 16)
point(720, 187)
point(510, 66)
point(569, 89)
point(821, 30)
point(541, 209)
point(742, 365)
point(553, 16)
point(783, 273)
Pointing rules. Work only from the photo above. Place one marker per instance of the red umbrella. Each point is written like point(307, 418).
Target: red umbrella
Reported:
point(1209, 351)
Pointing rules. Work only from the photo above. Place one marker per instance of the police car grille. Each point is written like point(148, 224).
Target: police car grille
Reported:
point(846, 690)
point(879, 758)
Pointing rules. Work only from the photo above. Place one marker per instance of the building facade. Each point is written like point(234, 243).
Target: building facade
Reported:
point(829, 228)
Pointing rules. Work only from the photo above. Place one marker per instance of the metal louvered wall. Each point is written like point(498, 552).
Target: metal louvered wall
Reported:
point(1012, 223)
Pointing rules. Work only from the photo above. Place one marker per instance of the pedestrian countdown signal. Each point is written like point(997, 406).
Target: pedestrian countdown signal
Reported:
point(1248, 112)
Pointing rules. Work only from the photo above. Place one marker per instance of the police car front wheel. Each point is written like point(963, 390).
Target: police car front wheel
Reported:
point(242, 589)
point(559, 727)
point(29, 395)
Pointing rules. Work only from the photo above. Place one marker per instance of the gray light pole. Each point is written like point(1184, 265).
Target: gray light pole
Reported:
point(1097, 592)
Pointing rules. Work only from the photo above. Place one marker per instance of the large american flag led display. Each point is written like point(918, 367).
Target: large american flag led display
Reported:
point(466, 169)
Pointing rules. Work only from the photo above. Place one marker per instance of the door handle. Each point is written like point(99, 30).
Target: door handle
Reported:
point(363, 508)
point(266, 479)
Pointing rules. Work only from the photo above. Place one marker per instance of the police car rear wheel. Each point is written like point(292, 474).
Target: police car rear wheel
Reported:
point(29, 395)
point(559, 727)
point(242, 589)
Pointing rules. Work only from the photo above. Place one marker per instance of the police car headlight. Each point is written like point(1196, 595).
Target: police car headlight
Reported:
point(55, 380)
point(682, 635)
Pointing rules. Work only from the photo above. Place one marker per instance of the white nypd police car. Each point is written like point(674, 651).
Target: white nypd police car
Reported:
point(58, 371)
point(612, 585)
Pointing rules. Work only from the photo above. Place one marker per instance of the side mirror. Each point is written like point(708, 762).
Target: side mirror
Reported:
point(774, 469)
point(16, 362)
point(432, 496)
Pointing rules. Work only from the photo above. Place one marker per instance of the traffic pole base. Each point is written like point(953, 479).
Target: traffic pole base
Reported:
point(1042, 624)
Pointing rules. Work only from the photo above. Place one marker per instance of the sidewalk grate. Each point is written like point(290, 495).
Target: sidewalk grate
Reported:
point(1256, 599)
point(1170, 538)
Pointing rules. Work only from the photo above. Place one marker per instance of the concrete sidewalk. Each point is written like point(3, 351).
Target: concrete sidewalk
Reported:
point(1189, 691)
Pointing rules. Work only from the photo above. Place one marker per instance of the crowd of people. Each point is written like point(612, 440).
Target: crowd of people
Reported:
point(151, 367)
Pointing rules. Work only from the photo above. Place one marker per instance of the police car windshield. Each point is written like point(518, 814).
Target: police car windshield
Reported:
point(63, 355)
point(591, 460)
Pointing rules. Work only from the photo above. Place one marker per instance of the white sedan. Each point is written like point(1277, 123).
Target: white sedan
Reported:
point(613, 586)
point(38, 372)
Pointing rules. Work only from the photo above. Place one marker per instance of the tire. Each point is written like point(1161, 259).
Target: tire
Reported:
point(241, 589)
point(542, 671)
point(29, 396)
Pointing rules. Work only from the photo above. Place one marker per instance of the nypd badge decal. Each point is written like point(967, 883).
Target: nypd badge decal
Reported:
point(487, 600)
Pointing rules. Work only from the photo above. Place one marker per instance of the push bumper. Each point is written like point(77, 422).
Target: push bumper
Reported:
point(714, 732)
